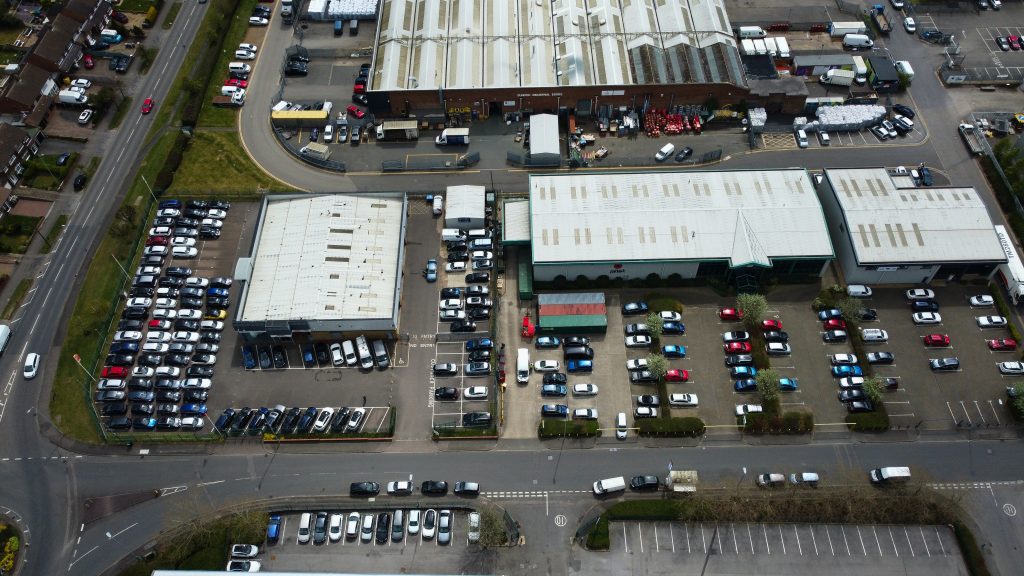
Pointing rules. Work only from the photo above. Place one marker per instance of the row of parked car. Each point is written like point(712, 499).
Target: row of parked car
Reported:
point(284, 421)
point(320, 527)
point(160, 364)
point(462, 307)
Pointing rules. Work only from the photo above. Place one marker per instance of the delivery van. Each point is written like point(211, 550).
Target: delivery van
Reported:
point(523, 366)
point(609, 485)
point(239, 67)
point(857, 42)
point(621, 426)
point(890, 475)
point(452, 235)
point(751, 32)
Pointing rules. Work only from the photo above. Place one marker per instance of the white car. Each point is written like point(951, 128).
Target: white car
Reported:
point(211, 222)
point(168, 372)
point(400, 488)
point(182, 251)
point(682, 399)
point(667, 316)
point(158, 336)
point(744, 409)
point(990, 321)
point(183, 241)
point(1011, 368)
point(920, 294)
point(352, 525)
point(156, 347)
point(244, 55)
point(473, 532)
point(165, 314)
point(546, 366)
point(636, 364)
point(429, 524)
point(127, 336)
point(81, 83)
point(160, 231)
point(982, 300)
point(166, 303)
point(249, 47)
point(452, 315)
point(645, 412)
point(909, 25)
point(257, 21)
point(192, 423)
point(584, 389)
point(196, 282)
point(455, 267)
point(140, 302)
point(85, 116)
point(190, 314)
point(665, 152)
point(838, 359)
point(450, 304)
point(216, 213)
point(190, 337)
point(335, 527)
point(143, 371)
point(475, 393)
point(243, 566)
point(215, 325)
point(31, 365)
point(638, 341)
point(874, 335)
point(584, 414)
point(414, 522)
point(323, 420)
point(197, 383)
point(168, 213)
point(858, 291)
point(923, 318)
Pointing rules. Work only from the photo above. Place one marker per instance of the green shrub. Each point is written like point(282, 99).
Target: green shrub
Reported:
point(598, 538)
point(568, 428)
point(671, 427)
point(876, 421)
point(658, 302)
point(1004, 310)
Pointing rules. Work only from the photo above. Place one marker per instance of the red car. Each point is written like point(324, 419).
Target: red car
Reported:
point(1014, 42)
point(737, 347)
point(727, 314)
point(147, 105)
point(157, 324)
point(114, 372)
point(1002, 345)
point(359, 88)
point(835, 324)
point(156, 241)
point(88, 62)
point(355, 111)
point(237, 83)
point(936, 340)
point(677, 376)
point(771, 325)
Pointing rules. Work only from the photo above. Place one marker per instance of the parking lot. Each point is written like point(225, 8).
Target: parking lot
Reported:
point(858, 138)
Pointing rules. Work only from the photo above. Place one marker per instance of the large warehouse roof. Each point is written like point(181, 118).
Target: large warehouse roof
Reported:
point(746, 217)
point(889, 224)
point(433, 44)
point(328, 257)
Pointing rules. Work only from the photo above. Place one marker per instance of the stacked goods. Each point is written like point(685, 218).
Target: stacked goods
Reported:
point(342, 9)
point(653, 123)
point(758, 117)
point(847, 118)
point(569, 313)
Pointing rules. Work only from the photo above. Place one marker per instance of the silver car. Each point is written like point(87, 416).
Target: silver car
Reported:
point(444, 527)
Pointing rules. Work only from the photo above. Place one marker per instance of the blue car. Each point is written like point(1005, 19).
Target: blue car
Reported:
point(634, 308)
point(224, 420)
point(308, 357)
point(580, 366)
point(673, 328)
point(217, 292)
point(548, 342)
point(553, 390)
point(830, 314)
point(480, 344)
point(673, 351)
point(144, 423)
point(847, 370)
point(788, 384)
point(743, 372)
point(248, 357)
point(274, 529)
point(745, 385)
point(194, 409)
point(170, 204)
point(554, 410)
point(431, 272)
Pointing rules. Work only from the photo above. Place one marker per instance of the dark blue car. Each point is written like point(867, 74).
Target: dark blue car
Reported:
point(218, 292)
point(274, 529)
point(554, 410)
point(745, 385)
point(224, 420)
point(924, 306)
point(170, 204)
point(673, 328)
point(480, 344)
point(194, 409)
point(580, 366)
point(308, 357)
point(248, 357)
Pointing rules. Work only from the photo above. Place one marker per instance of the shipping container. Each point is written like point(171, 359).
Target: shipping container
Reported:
point(595, 324)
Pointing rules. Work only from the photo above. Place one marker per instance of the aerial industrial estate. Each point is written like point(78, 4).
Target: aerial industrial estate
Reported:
point(570, 288)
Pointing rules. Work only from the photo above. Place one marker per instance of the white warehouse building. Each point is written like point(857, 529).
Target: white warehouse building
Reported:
point(466, 207)
point(736, 225)
point(889, 231)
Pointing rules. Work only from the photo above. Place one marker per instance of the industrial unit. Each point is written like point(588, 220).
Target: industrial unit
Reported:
point(739, 226)
point(323, 266)
point(887, 230)
point(466, 209)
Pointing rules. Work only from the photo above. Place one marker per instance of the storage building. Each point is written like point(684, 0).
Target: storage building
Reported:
point(466, 208)
point(572, 313)
point(545, 149)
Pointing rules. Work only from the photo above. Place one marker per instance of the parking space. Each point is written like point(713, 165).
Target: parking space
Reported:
point(857, 138)
point(801, 540)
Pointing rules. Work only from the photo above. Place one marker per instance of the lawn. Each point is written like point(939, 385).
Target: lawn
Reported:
point(16, 233)
point(135, 6)
point(9, 56)
point(216, 163)
point(9, 35)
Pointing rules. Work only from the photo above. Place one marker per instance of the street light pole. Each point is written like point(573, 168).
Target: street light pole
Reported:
point(123, 271)
point(148, 187)
point(78, 360)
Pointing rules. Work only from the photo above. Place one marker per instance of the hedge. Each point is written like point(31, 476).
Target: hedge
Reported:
point(1004, 310)
point(569, 429)
point(671, 427)
point(972, 555)
point(877, 421)
point(786, 423)
point(598, 538)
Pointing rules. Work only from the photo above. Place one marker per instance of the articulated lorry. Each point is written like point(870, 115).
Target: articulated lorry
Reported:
point(452, 137)
point(972, 139)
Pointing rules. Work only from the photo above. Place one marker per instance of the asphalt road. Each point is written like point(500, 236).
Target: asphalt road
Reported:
point(41, 495)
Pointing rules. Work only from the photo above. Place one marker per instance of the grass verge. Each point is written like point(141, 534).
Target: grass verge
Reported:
point(16, 233)
point(15, 302)
point(134, 6)
point(54, 232)
point(205, 547)
point(172, 13)
point(212, 116)
point(119, 112)
point(215, 163)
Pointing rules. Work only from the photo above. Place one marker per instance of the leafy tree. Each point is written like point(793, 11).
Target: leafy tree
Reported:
point(753, 307)
point(873, 389)
point(656, 325)
point(492, 529)
point(767, 385)
point(657, 364)
point(1017, 397)
point(850, 308)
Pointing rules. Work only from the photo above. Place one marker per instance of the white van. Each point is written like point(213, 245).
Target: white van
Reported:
point(665, 152)
point(5, 337)
point(437, 204)
point(857, 41)
point(890, 474)
point(904, 67)
point(801, 138)
point(240, 67)
point(452, 235)
point(229, 90)
point(282, 105)
point(751, 32)
point(336, 358)
point(304, 528)
point(523, 366)
point(621, 426)
point(349, 350)
point(609, 485)
point(860, 70)
point(481, 244)
point(478, 233)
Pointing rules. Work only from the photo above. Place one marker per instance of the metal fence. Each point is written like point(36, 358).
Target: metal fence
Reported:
point(431, 163)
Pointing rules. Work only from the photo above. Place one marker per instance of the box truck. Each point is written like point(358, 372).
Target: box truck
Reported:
point(398, 130)
point(453, 136)
point(837, 77)
point(881, 20)
point(318, 151)
point(1010, 274)
point(860, 70)
point(840, 29)
point(783, 45)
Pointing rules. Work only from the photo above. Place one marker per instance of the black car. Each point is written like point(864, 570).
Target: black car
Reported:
point(944, 364)
point(904, 110)
point(119, 360)
point(634, 308)
point(150, 360)
point(881, 358)
point(119, 409)
point(218, 302)
point(199, 372)
point(478, 314)
point(187, 325)
point(191, 303)
point(852, 394)
point(165, 221)
point(361, 99)
point(868, 314)
point(220, 204)
point(291, 419)
point(463, 326)
point(141, 292)
point(860, 406)
point(739, 360)
point(197, 204)
point(480, 356)
point(458, 256)
point(926, 176)
point(644, 483)
point(555, 378)
point(210, 337)
point(188, 222)
point(196, 213)
point(924, 306)
point(832, 336)
point(280, 358)
point(224, 420)
point(321, 353)
point(683, 154)
point(434, 487)
point(171, 282)
point(570, 341)
point(135, 312)
point(197, 396)
point(340, 419)
point(135, 325)
point(153, 260)
point(180, 271)
point(478, 278)
point(293, 69)
point(177, 360)
point(121, 423)
point(259, 419)
point(209, 233)
point(141, 396)
point(446, 393)
point(476, 419)
point(320, 528)
point(168, 384)
point(306, 421)
point(141, 384)
point(363, 489)
point(776, 336)
point(192, 292)
point(383, 527)
point(80, 181)
point(124, 348)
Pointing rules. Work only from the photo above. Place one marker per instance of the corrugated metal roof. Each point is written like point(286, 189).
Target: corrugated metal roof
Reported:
point(328, 257)
point(571, 298)
point(542, 43)
point(515, 222)
point(888, 224)
point(465, 202)
point(570, 321)
point(544, 135)
point(746, 217)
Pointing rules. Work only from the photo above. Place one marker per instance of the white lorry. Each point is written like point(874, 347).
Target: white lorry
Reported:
point(838, 77)
point(453, 136)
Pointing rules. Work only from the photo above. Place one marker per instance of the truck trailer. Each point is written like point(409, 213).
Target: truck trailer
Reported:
point(453, 137)
point(1011, 274)
point(840, 29)
point(971, 138)
point(881, 20)
point(398, 130)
